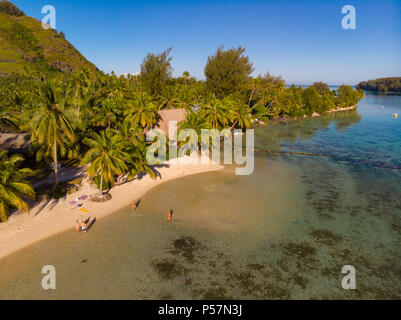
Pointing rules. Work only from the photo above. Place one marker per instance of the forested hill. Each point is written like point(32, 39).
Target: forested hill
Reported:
point(381, 85)
point(25, 47)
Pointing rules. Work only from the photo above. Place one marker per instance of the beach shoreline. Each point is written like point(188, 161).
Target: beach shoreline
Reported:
point(342, 109)
point(48, 219)
point(314, 114)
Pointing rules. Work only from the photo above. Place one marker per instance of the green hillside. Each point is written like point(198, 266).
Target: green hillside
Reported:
point(381, 85)
point(26, 47)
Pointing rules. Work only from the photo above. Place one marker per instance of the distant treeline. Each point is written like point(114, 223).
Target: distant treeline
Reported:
point(381, 85)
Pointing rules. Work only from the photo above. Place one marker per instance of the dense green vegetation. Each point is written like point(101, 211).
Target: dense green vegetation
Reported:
point(381, 85)
point(13, 185)
point(10, 9)
point(98, 119)
point(156, 70)
point(227, 71)
point(25, 47)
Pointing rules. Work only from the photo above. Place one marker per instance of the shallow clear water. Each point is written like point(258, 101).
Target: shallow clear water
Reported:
point(326, 192)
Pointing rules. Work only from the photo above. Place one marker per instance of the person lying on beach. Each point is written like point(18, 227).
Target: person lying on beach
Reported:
point(77, 226)
point(75, 205)
point(84, 227)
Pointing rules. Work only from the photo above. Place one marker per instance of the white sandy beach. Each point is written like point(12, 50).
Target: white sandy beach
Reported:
point(315, 114)
point(342, 109)
point(22, 230)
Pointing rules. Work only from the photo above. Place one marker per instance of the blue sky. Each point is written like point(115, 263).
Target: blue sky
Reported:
point(302, 41)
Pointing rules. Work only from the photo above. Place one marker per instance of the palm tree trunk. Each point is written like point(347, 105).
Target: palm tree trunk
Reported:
point(55, 161)
point(232, 127)
point(101, 183)
point(250, 98)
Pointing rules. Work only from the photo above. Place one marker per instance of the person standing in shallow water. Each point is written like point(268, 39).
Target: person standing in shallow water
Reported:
point(170, 215)
point(84, 227)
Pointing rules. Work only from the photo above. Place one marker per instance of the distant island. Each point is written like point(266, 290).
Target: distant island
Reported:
point(382, 85)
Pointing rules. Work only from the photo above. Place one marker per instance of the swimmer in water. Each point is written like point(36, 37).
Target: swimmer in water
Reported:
point(170, 215)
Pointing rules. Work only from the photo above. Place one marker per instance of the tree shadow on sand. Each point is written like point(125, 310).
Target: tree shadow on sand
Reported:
point(49, 196)
point(90, 223)
point(143, 174)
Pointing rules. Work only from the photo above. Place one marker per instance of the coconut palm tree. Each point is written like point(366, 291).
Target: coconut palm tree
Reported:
point(294, 100)
point(13, 186)
point(254, 87)
point(194, 124)
point(168, 98)
point(186, 98)
point(242, 116)
point(218, 113)
point(269, 94)
point(142, 111)
point(105, 156)
point(135, 145)
point(185, 75)
point(132, 135)
point(194, 121)
point(80, 86)
point(107, 113)
point(52, 124)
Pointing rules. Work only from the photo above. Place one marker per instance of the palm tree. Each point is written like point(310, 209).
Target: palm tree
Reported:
point(169, 98)
point(13, 186)
point(80, 86)
point(105, 156)
point(52, 125)
point(218, 113)
point(132, 135)
point(135, 145)
point(186, 98)
point(270, 92)
point(255, 87)
point(195, 123)
point(242, 116)
point(294, 97)
point(107, 112)
point(142, 111)
point(185, 75)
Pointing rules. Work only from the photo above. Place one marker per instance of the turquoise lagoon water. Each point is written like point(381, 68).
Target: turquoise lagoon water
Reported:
point(326, 192)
